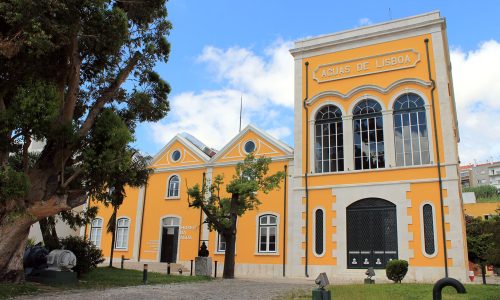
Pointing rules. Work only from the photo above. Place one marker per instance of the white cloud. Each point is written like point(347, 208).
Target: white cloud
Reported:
point(268, 77)
point(364, 22)
point(476, 77)
point(265, 83)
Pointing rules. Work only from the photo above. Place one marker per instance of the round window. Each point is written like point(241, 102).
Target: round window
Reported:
point(176, 155)
point(249, 147)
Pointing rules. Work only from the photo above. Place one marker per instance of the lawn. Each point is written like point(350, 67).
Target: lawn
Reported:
point(99, 278)
point(403, 292)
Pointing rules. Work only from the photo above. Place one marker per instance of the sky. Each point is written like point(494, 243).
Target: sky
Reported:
point(225, 51)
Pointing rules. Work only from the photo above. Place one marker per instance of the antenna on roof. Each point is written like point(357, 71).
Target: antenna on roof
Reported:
point(241, 109)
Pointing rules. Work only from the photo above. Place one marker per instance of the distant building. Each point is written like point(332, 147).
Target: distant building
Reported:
point(480, 174)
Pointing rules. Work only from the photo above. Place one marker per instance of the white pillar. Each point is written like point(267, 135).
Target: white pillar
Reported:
point(348, 137)
point(390, 153)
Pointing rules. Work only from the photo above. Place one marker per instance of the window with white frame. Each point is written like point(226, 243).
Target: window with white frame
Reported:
point(122, 228)
point(329, 142)
point(96, 232)
point(268, 228)
point(410, 131)
point(173, 187)
point(221, 243)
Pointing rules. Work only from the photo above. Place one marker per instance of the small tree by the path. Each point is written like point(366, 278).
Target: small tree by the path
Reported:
point(222, 212)
point(481, 245)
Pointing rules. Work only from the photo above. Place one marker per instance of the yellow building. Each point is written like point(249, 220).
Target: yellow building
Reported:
point(375, 138)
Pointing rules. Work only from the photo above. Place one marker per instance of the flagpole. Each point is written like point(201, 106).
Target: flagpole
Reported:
point(241, 109)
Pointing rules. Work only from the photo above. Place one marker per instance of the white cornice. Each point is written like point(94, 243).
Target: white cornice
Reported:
point(409, 24)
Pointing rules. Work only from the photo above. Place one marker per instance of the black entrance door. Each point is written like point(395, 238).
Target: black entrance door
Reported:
point(371, 233)
point(169, 242)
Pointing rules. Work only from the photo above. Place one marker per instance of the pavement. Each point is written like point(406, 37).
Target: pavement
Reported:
point(255, 289)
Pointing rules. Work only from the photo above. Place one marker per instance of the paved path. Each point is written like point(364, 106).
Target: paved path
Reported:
point(255, 289)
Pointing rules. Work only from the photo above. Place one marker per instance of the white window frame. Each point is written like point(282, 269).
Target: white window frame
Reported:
point(277, 242)
point(125, 236)
point(96, 242)
point(422, 232)
point(167, 194)
point(314, 232)
point(218, 242)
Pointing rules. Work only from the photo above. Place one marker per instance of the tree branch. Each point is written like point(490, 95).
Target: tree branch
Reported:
point(72, 177)
point(26, 145)
point(73, 82)
point(107, 94)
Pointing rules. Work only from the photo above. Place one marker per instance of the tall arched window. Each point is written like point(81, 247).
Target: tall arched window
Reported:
point(410, 131)
point(122, 229)
point(268, 229)
point(368, 135)
point(173, 187)
point(96, 232)
point(429, 231)
point(329, 143)
point(319, 232)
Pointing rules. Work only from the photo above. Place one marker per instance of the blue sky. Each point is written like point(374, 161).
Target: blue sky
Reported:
point(224, 50)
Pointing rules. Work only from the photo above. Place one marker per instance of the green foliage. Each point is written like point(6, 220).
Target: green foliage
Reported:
point(251, 177)
point(13, 184)
point(482, 192)
point(396, 270)
point(483, 240)
point(87, 255)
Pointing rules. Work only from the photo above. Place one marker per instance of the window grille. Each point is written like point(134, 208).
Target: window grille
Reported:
point(428, 217)
point(319, 229)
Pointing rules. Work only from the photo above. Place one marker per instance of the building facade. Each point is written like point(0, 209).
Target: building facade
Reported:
point(480, 174)
point(374, 167)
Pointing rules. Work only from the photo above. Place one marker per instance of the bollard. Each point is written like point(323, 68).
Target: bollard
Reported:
point(168, 269)
point(121, 264)
point(145, 274)
point(215, 269)
point(191, 272)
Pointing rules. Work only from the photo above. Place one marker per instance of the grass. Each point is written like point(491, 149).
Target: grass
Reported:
point(99, 278)
point(402, 292)
point(489, 199)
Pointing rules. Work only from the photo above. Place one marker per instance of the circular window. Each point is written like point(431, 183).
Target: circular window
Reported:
point(249, 147)
point(176, 155)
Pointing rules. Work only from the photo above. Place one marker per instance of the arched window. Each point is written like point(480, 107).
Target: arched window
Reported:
point(173, 187)
point(268, 228)
point(122, 226)
point(319, 232)
point(428, 229)
point(96, 232)
point(410, 131)
point(329, 143)
point(368, 135)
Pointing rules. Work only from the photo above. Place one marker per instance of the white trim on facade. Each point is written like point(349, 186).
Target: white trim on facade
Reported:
point(257, 233)
point(128, 233)
point(168, 188)
point(158, 255)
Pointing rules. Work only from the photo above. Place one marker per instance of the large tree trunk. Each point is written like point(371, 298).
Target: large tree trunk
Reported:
point(49, 233)
point(230, 236)
point(14, 234)
point(229, 256)
point(14, 231)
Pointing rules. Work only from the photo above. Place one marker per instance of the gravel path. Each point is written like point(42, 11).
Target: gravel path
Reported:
point(255, 289)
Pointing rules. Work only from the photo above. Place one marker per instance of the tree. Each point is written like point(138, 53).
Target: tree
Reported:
point(482, 244)
point(222, 212)
point(79, 76)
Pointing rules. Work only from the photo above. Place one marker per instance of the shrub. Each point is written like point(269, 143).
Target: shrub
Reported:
point(87, 255)
point(396, 270)
point(484, 191)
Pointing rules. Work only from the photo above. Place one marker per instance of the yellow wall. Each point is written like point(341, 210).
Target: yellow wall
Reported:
point(482, 209)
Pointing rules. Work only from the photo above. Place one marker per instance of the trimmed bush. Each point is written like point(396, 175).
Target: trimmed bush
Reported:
point(87, 255)
point(396, 270)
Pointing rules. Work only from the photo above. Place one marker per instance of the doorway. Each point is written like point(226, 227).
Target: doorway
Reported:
point(372, 238)
point(169, 240)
